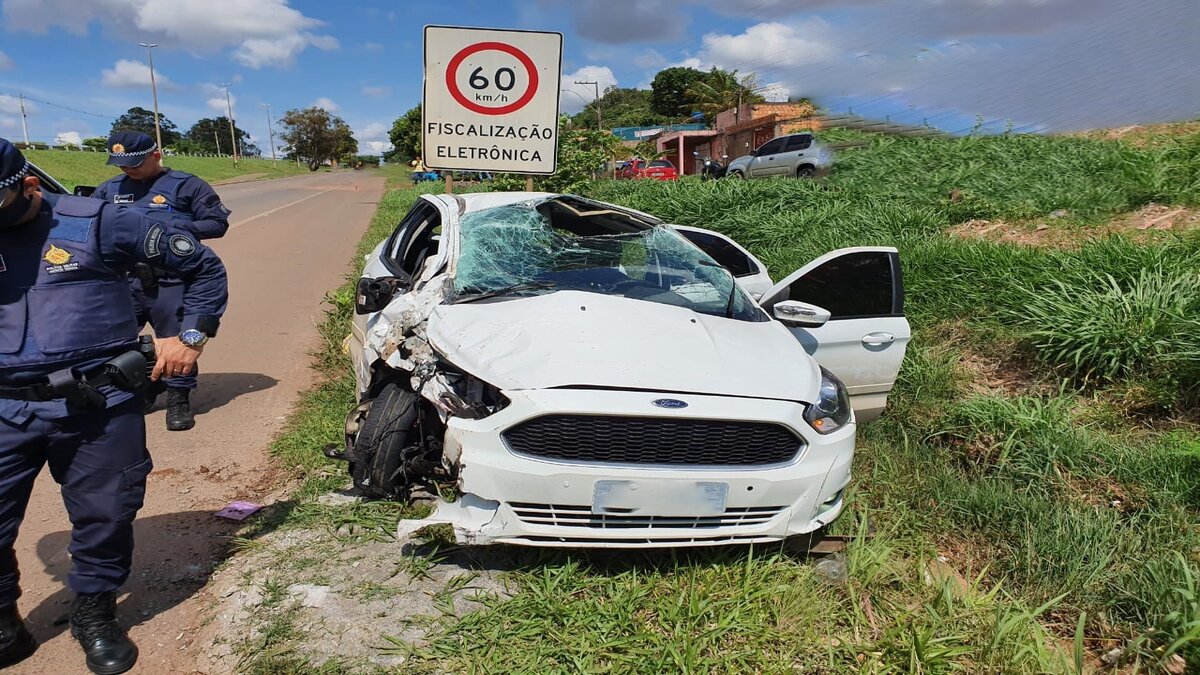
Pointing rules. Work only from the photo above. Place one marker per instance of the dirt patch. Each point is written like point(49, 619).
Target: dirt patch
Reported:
point(313, 595)
point(1144, 135)
point(1146, 224)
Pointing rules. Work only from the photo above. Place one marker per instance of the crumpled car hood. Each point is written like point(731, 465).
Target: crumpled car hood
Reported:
point(574, 338)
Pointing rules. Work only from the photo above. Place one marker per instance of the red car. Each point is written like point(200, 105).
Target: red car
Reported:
point(658, 169)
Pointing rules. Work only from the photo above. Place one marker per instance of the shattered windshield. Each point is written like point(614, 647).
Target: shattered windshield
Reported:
point(538, 247)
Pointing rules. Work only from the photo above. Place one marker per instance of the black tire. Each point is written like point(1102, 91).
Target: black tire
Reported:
point(737, 174)
point(806, 171)
point(383, 442)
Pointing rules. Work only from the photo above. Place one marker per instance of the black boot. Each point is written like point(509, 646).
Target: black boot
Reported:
point(16, 644)
point(94, 623)
point(179, 410)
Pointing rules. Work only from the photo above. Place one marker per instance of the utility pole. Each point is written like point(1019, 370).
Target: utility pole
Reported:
point(218, 140)
point(154, 90)
point(232, 135)
point(24, 124)
point(595, 101)
point(270, 132)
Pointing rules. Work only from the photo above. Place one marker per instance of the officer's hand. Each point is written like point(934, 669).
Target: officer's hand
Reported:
point(174, 358)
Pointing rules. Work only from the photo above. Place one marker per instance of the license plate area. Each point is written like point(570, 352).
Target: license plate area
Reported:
point(659, 498)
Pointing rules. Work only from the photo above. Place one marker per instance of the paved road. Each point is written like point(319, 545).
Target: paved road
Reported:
point(290, 241)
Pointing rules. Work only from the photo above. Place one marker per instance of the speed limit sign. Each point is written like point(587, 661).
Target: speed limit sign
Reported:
point(491, 100)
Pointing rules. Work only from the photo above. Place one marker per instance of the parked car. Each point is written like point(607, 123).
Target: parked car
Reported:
point(589, 376)
point(658, 169)
point(797, 155)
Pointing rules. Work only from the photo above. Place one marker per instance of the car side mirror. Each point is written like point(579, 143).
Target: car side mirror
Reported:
point(373, 295)
point(796, 313)
point(754, 153)
point(84, 190)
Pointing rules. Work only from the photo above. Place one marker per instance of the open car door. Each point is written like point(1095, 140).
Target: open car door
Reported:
point(863, 342)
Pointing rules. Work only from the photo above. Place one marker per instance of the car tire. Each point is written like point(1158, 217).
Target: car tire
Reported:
point(806, 171)
point(384, 442)
point(737, 175)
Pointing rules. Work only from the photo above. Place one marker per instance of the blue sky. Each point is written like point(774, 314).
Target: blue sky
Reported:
point(1034, 64)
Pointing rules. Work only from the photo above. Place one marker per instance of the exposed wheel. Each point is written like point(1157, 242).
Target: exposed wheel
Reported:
point(385, 438)
point(806, 171)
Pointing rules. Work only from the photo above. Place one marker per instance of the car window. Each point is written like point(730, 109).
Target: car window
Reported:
point(399, 243)
point(798, 142)
point(662, 163)
point(854, 285)
point(771, 147)
point(723, 252)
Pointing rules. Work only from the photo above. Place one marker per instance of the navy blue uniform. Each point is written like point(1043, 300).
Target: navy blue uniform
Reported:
point(64, 303)
point(173, 194)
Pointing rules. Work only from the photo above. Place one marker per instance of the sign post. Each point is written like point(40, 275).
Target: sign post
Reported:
point(491, 100)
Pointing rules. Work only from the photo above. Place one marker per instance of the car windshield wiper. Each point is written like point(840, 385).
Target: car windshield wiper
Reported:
point(495, 292)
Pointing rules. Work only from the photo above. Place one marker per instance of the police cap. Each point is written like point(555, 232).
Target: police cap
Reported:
point(129, 148)
point(13, 165)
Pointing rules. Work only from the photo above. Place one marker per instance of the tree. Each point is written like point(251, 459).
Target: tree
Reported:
point(206, 134)
point(406, 136)
point(140, 119)
point(669, 89)
point(621, 108)
point(314, 135)
point(720, 90)
point(96, 143)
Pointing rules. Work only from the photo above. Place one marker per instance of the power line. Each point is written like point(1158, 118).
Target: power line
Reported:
point(63, 107)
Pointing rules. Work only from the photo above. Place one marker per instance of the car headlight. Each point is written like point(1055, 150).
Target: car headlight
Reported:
point(831, 411)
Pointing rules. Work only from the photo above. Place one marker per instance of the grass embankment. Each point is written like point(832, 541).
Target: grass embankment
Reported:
point(89, 168)
point(1035, 484)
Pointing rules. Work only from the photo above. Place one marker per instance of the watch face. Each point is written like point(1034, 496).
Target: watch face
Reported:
point(192, 337)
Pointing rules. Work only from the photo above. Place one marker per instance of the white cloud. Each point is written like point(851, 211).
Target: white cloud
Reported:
point(373, 138)
point(584, 93)
point(68, 138)
point(769, 45)
point(126, 73)
point(376, 92)
point(6, 62)
point(265, 32)
point(12, 105)
point(216, 100)
point(9, 123)
point(326, 104)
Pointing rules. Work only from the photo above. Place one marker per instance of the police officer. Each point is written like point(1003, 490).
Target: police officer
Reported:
point(147, 185)
point(68, 386)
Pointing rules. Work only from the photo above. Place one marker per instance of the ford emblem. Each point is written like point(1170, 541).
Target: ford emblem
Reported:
point(672, 403)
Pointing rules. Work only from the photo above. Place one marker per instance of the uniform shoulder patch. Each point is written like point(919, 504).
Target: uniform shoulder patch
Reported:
point(150, 246)
point(181, 245)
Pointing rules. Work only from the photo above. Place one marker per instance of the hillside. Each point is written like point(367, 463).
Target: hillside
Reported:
point(89, 168)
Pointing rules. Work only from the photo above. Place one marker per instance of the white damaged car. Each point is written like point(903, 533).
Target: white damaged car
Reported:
point(585, 375)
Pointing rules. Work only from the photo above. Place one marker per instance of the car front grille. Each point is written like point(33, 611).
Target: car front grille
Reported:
point(560, 515)
point(653, 440)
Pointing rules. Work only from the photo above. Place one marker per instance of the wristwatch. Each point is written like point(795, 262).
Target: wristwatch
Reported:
point(193, 337)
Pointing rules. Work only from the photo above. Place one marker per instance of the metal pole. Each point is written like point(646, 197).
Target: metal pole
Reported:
point(232, 135)
point(449, 182)
point(154, 89)
point(595, 101)
point(218, 140)
point(24, 124)
point(270, 133)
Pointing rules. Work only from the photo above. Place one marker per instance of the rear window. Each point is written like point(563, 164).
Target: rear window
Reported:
point(662, 163)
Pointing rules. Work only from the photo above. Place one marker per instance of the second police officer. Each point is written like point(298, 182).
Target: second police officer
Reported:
point(147, 185)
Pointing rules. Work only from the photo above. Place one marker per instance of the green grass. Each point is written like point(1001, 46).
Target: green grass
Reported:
point(89, 168)
point(1067, 503)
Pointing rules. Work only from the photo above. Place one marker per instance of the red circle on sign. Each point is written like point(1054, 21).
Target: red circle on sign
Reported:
point(452, 81)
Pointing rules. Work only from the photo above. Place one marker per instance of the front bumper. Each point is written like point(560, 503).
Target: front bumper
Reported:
point(516, 499)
